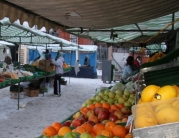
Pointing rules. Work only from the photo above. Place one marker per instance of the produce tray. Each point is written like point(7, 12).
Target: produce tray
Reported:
point(161, 75)
point(22, 78)
point(166, 59)
point(159, 131)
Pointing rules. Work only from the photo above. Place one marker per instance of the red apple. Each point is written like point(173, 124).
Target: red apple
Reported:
point(83, 118)
point(112, 112)
point(119, 114)
point(76, 122)
point(90, 122)
point(113, 118)
point(126, 111)
point(103, 115)
point(97, 110)
point(124, 119)
point(66, 124)
point(93, 119)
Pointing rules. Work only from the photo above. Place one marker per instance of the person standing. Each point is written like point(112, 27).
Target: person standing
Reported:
point(77, 69)
point(137, 62)
point(129, 69)
point(58, 62)
point(87, 61)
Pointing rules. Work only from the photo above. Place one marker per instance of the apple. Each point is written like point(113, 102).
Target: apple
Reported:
point(90, 113)
point(125, 97)
point(125, 119)
point(105, 97)
point(105, 121)
point(112, 112)
point(70, 135)
point(119, 92)
point(66, 124)
point(110, 100)
point(126, 111)
point(121, 100)
point(83, 118)
point(106, 92)
point(93, 119)
point(89, 101)
point(103, 115)
point(85, 135)
point(111, 95)
point(127, 93)
point(101, 136)
point(76, 122)
point(127, 103)
point(119, 114)
point(90, 122)
point(45, 137)
point(113, 118)
point(118, 121)
point(98, 98)
point(77, 115)
point(97, 110)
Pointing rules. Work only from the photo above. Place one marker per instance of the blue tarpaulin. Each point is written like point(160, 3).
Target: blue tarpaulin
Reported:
point(69, 58)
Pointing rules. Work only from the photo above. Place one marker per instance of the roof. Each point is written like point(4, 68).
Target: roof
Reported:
point(23, 34)
point(93, 14)
point(135, 21)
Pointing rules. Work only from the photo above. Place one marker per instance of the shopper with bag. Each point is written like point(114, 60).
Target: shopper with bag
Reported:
point(58, 62)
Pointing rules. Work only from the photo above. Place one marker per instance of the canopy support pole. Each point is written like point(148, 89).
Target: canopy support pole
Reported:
point(19, 68)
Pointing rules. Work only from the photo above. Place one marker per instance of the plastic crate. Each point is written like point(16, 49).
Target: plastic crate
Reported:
point(13, 81)
point(22, 78)
point(7, 81)
point(1, 84)
point(28, 78)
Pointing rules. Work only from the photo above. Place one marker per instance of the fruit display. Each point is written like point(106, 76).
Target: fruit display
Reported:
point(156, 56)
point(105, 115)
point(66, 65)
point(158, 105)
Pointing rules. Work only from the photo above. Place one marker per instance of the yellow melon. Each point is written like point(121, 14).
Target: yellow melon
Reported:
point(149, 92)
point(145, 120)
point(165, 92)
point(167, 114)
point(175, 104)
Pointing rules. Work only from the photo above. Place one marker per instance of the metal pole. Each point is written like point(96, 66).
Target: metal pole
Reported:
point(19, 51)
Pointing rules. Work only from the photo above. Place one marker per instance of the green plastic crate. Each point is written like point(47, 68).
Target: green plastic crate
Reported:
point(1, 84)
point(22, 78)
point(13, 81)
point(7, 81)
point(28, 78)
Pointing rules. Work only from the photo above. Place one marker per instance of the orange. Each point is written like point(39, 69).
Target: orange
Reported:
point(56, 125)
point(97, 128)
point(98, 104)
point(80, 129)
point(120, 105)
point(107, 133)
point(109, 125)
point(87, 127)
point(114, 107)
point(106, 105)
point(49, 131)
point(63, 130)
point(119, 131)
point(91, 106)
point(85, 110)
point(149, 92)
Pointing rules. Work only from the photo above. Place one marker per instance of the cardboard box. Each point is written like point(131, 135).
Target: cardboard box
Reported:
point(31, 93)
point(46, 65)
point(14, 95)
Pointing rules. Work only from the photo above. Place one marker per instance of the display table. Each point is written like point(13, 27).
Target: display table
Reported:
point(85, 72)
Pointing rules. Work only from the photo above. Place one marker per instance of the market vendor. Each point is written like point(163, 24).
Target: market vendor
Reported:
point(7, 59)
point(47, 55)
point(87, 61)
point(129, 69)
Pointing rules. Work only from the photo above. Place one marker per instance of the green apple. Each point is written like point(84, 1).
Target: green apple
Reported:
point(106, 92)
point(93, 98)
point(102, 101)
point(121, 100)
point(101, 94)
point(119, 92)
point(110, 100)
point(105, 97)
point(45, 137)
point(89, 101)
point(57, 136)
point(84, 105)
point(132, 96)
point(116, 137)
point(70, 135)
point(118, 96)
point(101, 136)
point(98, 98)
point(125, 97)
point(127, 93)
point(85, 135)
point(127, 103)
point(111, 94)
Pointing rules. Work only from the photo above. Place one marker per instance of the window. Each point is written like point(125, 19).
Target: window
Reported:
point(73, 39)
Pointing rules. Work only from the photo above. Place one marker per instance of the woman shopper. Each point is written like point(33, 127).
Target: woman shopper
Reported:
point(58, 62)
point(129, 69)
